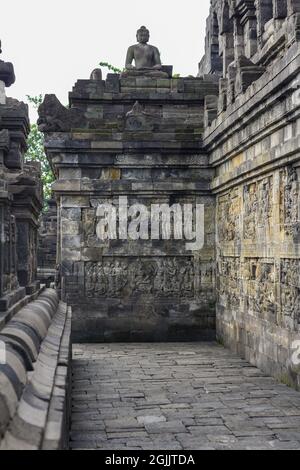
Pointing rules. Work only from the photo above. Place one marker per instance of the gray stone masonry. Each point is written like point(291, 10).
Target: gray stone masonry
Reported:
point(252, 139)
point(177, 397)
point(139, 137)
point(20, 206)
point(228, 139)
point(47, 244)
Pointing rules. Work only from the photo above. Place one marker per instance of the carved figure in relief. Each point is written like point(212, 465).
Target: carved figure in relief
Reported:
point(289, 201)
point(261, 288)
point(187, 279)
point(265, 190)
point(290, 289)
point(171, 277)
point(120, 277)
point(229, 280)
point(207, 272)
point(144, 277)
point(166, 277)
point(101, 281)
point(229, 210)
point(90, 280)
point(250, 210)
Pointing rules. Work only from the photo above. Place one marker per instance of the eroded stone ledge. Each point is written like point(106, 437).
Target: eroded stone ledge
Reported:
point(34, 382)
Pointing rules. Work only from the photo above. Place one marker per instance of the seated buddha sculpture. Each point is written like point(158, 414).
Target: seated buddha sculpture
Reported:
point(146, 58)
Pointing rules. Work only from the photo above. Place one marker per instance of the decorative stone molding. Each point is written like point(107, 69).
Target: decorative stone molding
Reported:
point(35, 380)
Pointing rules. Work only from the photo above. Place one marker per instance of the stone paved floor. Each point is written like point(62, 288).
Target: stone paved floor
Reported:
point(177, 396)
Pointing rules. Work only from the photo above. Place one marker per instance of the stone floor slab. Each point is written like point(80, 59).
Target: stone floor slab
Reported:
point(180, 396)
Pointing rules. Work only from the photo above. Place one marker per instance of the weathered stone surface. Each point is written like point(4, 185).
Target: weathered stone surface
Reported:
point(145, 144)
point(215, 400)
point(35, 329)
point(257, 180)
point(146, 57)
point(34, 408)
point(20, 205)
point(47, 245)
point(57, 117)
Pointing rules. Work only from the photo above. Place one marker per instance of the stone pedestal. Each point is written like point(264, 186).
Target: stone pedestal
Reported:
point(141, 139)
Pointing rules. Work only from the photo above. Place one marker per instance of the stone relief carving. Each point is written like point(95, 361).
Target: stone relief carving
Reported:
point(250, 208)
point(229, 281)
point(229, 209)
point(6, 251)
point(265, 201)
point(137, 119)
point(289, 201)
point(258, 207)
point(9, 253)
point(207, 274)
point(259, 275)
point(290, 291)
point(165, 277)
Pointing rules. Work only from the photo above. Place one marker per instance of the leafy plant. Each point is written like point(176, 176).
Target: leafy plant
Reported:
point(36, 151)
point(110, 67)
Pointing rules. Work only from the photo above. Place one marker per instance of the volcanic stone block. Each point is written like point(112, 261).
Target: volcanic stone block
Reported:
point(133, 289)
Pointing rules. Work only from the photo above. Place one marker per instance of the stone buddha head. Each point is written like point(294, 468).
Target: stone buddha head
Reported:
point(143, 35)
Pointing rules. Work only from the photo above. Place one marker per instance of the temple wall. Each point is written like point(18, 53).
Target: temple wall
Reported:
point(139, 138)
point(253, 142)
point(228, 139)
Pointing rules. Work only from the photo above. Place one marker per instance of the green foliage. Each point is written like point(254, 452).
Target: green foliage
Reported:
point(36, 101)
point(110, 67)
point(36, 151)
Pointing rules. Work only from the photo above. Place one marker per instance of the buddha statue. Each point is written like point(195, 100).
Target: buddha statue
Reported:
point(146, 57)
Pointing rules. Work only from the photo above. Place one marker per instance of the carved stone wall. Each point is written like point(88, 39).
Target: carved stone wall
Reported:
point(229, 140)
point(47, 241)
point(140, 138)
point(253, 143)
point(20, 206)
point(243, 38)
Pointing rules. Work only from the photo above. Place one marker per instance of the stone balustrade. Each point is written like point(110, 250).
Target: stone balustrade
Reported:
point(35, 380)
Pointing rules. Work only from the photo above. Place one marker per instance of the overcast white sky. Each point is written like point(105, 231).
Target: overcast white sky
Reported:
point(54, 43)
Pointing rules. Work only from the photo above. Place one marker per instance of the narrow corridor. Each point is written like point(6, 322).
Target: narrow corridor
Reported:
point(177, 397)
